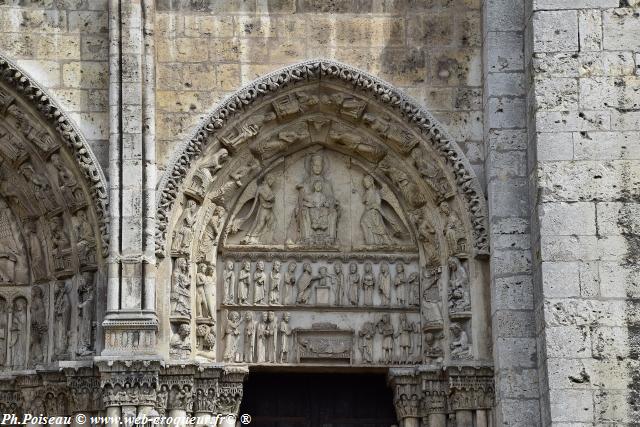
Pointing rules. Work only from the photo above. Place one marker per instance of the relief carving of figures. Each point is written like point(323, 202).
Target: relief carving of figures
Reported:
point(271, 337)
point(290, 284)
point(431, 311)
point(453, 230)
point(261, 338)
point(67, 182)
point(373, 222)
point(18, 343)
point(354, 284)
point(339, 283)
point(202, 305)
point(232, 337)
point(229, 280)
point(317, 212)
point(305, 284)
point(249, 337)
point(180, 285)
point(384, 284)
point(60, 243)
point(385, 328)
point(39, 326)
point(86, 241)
point(215, 162)
point(86, 304)
point(285, 338)
point(183, 236)
point(38, 263)
point(248, 129)
point(9, 252)
point(244, 277)
point(62, 315)
point(432, 174)
point(459, 298)
point(259, 283)
point(274, 282)
point(211, 232)
point(162, 399)
point(180, 343)
point(433, 352)
point(414, 289)
point(400, 284)
point(401, 180)
point(405, 334)
point(40, 187)
point(367, 334)
point(427, 237)
point(348, 138)
point(206, 336)
point(459, 342)
point(368, 284)
point(261, 230)
point(4, 331)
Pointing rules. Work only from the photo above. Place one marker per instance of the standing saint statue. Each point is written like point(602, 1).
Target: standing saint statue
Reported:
point(315, 217)
point(231, 337)
point(229, 279)
point(249, 337)
point(305, 284)
point(259, 283)
point(86, 301)
point(39, 326)
point(384, 284)
point(62, 314)
point(244, 276)
point(180, 294)
point(8, 246)
point(285, 336)
point(274, 290)
point(264, 221)
point(290, 284)
point(18, 343)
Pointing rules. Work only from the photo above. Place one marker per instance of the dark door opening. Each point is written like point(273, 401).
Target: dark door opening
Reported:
point(318, 400)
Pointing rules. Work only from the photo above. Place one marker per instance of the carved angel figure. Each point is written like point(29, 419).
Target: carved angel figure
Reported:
point(263, 224)
point(373, 218)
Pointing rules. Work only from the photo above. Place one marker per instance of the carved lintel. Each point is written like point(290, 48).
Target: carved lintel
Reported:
point(137, 336)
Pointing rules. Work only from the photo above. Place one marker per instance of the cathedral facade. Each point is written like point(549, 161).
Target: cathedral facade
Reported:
point(420, 213)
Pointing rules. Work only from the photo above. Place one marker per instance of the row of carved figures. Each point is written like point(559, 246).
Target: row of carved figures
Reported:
point(358, 287)
point(266, 340)
point(16, 335)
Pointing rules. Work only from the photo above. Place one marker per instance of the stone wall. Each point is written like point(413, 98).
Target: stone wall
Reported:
point(585, 175)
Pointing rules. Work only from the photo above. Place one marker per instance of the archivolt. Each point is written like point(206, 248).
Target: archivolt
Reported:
point(32, 93)
point(358, 81)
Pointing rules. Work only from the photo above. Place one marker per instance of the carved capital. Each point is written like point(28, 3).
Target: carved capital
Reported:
point(471, 388)
point(407, 395)
point(86, 393)
point(230, 389)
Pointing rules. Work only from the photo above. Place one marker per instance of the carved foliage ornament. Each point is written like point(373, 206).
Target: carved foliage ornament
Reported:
point(316, 70)
point(11, 75)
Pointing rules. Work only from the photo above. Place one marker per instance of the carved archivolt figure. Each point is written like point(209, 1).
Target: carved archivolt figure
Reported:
point(453, 230)
point(385, 328)
point(38, 265)
point(232, 337)
point(249, 337)
point(317, 212)
point(86, 299)
point(305, 284)
point(39, 326)
point(183, 237)
point(274, 289)
point(427, 237)
point(432, 174)
point(259, 283)
point(459, 342)
point(4, 332)
point(459, 298)
point(59, 236)
point(366, 334)
point(244, 277)
point(66, 181)
point(62, 313)
point(338, 277)
point(18, 343)
point(8, 246)
point(202, 305)
point(40, 186)
point(368, 283)
point(285, 337)
point(290, 284)
point(400, 284)
point(354, 284)
point(180, 294)
point(229, 280)
point(384, 284)
point(373, 218)
point(262, 228)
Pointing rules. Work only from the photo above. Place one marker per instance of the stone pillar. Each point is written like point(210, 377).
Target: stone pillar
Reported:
point(407, 395)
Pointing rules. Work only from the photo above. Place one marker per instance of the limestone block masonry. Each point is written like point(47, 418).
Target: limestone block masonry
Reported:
point(445, 192)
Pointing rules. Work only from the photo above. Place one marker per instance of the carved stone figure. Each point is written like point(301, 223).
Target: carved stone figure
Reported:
point(232, 337)
point(180, 344)
point(216, 161)
point(261, 338)
point(352, 141)
point(432, 174)
point(180, 293)
point(366, 334)
point(67, 182)
point(305, 284)
point(271, 337)
point(36, 252)
point(433, 352)
point(18, 343)
point(244, 277)
point(206, 336)
point(459, 342)
point(368, 284)
point(400, 284)
point(274, 283)
point(39, 326)
point(259, 283)
point(405, 333)
point(285, 337)
point(9, 252)
point(85, 239)
point(249, 337)
point(354, 284)
point(60, 243)
point(385, 328)
point(317, 211)
point(86, 304)
point(4, 332)
point(40, 187)
point(400, 178)
point(211, 232)
point(384, 284)
point(261, 229)
point(427, 238)
point(248, 129)
point(458, 292)
point(62, 316)
point(413, 284)
point(453, 230)
point(290, 284)
point(202, 305)
point(373, 218)
point(184, 235)
point(338, 277)
point(431, 311)
point(229, 280)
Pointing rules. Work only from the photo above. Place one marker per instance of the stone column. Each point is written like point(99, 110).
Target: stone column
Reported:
point(407, 395)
